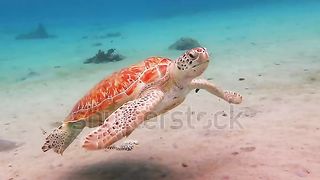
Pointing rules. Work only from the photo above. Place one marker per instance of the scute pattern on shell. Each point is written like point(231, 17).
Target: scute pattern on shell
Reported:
point(111, 90)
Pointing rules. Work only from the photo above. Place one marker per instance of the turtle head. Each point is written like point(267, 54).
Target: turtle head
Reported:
point(191, 64)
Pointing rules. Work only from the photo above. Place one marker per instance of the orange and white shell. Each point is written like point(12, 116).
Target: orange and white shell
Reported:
point(121, 87)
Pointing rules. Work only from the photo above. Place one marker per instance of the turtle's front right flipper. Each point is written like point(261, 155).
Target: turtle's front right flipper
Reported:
point(61, 137)
point(123, 121)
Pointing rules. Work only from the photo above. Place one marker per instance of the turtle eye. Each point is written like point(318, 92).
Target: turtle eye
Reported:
point(191, 55)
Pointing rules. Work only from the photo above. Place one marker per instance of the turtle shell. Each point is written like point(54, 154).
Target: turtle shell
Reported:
point(118, 88)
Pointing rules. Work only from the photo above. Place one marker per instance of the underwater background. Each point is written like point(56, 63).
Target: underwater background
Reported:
point(145, 28)
point(267, 50)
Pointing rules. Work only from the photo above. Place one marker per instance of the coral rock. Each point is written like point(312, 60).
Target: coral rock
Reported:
point(185, 43)
point(39, 33)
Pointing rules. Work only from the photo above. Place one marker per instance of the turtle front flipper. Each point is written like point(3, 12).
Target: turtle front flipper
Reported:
point(229, 96)
point(63, 136)
point(124, 120)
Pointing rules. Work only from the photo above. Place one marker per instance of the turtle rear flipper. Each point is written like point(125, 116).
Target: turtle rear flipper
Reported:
point(63, 136)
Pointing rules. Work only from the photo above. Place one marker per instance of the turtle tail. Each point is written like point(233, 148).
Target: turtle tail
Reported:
point(61, 137)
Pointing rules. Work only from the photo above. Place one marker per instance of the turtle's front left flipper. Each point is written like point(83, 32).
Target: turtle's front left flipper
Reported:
point(229, 96)
point(123, 121)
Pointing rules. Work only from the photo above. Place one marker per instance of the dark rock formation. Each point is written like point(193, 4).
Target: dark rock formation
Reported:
point(113, 34)
point(109, 35)
point(31, 74)
point(97, 44)
point(185, 43)
point(39, 33)
point(102, 57)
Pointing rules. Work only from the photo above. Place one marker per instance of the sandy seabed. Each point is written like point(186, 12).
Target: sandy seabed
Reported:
point(274, 133)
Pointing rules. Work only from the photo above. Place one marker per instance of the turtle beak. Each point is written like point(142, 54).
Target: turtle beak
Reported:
point(204, 57)
point(206, 53)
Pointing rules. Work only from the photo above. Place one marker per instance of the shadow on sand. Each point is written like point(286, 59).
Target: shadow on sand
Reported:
point(6, 145)
point(118, 170)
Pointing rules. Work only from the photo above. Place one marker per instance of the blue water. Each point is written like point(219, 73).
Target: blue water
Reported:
point(71, 20)
point(114, 11)
point(119, 11)
point(273, 44)
point(147, 28)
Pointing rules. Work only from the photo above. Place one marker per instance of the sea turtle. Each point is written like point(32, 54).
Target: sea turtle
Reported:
point(123, 100)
